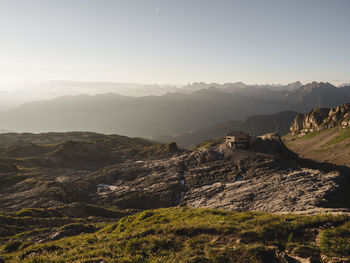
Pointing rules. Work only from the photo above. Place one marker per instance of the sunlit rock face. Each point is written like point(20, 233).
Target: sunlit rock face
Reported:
point(321, 118)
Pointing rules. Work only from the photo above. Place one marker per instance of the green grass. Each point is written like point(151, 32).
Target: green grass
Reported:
point(195, 235)
point(336, 241)
point(344, 134)
point(321, 150)
point(313, 134)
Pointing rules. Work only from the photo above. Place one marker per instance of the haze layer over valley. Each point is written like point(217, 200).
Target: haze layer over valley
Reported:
point(173, 113)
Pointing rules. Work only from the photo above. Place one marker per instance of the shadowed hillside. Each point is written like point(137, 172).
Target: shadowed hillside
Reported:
point(257, 125)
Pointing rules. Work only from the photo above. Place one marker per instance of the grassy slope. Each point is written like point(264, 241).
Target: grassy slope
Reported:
point(195, 235)
point(331, 145)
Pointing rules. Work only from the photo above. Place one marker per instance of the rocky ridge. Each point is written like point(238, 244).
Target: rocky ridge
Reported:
point(320, 119)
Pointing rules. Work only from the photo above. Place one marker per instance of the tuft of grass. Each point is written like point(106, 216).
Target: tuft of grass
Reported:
point(336, 241)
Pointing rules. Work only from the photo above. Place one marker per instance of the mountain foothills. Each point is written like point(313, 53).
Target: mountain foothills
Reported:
point(170, 114)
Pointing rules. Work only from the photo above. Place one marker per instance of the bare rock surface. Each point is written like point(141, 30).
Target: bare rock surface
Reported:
point(265, 178)
point(284, 191)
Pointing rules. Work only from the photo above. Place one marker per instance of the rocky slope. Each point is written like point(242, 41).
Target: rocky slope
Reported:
point(265, 178)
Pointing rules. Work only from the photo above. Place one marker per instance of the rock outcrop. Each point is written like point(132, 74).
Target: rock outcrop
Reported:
point(321, 118)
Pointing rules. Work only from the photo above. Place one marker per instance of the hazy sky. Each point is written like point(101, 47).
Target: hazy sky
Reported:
point(175, 41)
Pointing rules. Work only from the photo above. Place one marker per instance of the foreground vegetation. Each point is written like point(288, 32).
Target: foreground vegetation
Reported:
point(191, 235)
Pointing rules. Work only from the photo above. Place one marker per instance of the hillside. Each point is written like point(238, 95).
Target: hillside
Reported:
point(176, 235)
point(71, 145)
point(330, 145)
point(323, 135)
point(55, 169)
point(257, 125)
point(169, 114)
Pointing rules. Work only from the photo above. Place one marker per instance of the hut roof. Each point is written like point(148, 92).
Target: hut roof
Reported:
point(236, 133)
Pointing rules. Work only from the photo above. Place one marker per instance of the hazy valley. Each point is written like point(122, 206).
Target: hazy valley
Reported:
point(170, 114)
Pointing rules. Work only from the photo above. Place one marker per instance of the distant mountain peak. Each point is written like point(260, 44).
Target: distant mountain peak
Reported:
point(316, 84)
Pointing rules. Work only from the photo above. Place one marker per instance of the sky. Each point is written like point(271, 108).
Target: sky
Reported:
point(175, 41)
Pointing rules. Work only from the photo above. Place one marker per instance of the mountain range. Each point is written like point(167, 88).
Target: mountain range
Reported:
point(169, 114)
point(15, 94)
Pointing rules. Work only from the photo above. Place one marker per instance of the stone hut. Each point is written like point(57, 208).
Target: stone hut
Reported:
point(239, 139)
